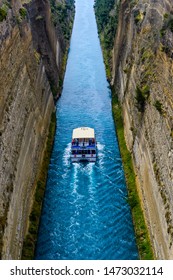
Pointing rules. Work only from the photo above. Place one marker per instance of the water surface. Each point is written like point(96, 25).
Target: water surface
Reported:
point(85, 212)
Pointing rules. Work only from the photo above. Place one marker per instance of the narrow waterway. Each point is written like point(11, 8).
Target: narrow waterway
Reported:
point(85, 212)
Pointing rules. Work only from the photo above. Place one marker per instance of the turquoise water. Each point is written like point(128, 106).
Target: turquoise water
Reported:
point(85, 212)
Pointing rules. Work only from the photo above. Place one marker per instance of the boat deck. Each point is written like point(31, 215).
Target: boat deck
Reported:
point(83, 146)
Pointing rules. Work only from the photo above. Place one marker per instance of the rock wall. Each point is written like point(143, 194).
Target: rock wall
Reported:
point(143, 80)
point(50, 38)
point(26, 105)
point(48, 41)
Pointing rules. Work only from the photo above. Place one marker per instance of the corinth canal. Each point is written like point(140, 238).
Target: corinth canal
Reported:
point(85, 211)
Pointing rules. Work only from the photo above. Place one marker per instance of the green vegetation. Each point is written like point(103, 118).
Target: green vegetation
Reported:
point(37, 56)
point(142, 238)
point(158, 106)
point(147, 55)
point(142, 95)
point(167, 25)
point(107, 21)
point(62, 15)
point(31, 238)
point(21, 15)
point(3, 11)
point(166, 16)
point(133, 3)
point(170, 23)
point(22, 12)
point(138, 15)
point(54, 88)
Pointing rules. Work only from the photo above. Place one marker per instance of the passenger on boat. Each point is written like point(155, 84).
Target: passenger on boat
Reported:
point(93, 141)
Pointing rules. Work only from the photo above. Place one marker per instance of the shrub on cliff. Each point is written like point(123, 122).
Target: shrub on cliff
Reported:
point(107, 20)
point(158, 106)
point(142, 95)
point(138, 16)
point(62, 16)
point(167, 24)
point(23, 12)
point(3, 12)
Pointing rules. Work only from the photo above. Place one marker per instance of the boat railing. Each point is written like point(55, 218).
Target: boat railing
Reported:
point(83, 144)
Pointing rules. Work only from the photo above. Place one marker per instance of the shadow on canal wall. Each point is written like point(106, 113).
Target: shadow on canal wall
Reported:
point(28, 75)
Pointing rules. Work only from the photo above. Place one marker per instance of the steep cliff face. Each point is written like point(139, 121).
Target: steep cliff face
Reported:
point(26, 105)
point(143, 80)
point(46, 42)
point(51, 24)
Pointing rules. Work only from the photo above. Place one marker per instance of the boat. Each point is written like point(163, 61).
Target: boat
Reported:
point(83, 145)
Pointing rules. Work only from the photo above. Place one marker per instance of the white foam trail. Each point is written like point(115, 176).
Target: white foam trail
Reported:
point(89, 170)
point(74, 183)
point(66, 155)
point(100, 154)
point(100, 147)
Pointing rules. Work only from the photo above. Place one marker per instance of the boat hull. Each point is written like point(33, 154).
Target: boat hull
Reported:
point(82, 159)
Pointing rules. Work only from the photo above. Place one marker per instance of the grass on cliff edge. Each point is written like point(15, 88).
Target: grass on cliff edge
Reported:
point(141, 231)
point(34, 218)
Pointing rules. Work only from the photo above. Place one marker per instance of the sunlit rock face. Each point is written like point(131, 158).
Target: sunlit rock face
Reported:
point(27, 75)
point(143, 80)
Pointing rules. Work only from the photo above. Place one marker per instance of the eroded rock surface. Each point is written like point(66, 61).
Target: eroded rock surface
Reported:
point(30, 64)
point(143, 79)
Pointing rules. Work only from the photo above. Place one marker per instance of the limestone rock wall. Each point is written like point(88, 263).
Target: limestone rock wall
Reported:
point(143, 80)
point(51, 36)
point(26, 105)
point(48, 41)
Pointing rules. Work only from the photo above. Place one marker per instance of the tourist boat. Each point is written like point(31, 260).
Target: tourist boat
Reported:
point(83, 146)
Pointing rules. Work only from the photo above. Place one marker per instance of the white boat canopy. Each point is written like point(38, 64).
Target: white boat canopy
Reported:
point(83, 132)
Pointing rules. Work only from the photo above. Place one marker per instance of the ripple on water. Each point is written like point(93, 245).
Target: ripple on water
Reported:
point(85, 212)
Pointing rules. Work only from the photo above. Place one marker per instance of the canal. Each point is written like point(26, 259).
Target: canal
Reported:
point(85, 211)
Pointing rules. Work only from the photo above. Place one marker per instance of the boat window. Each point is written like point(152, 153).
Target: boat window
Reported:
point(93, 151)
